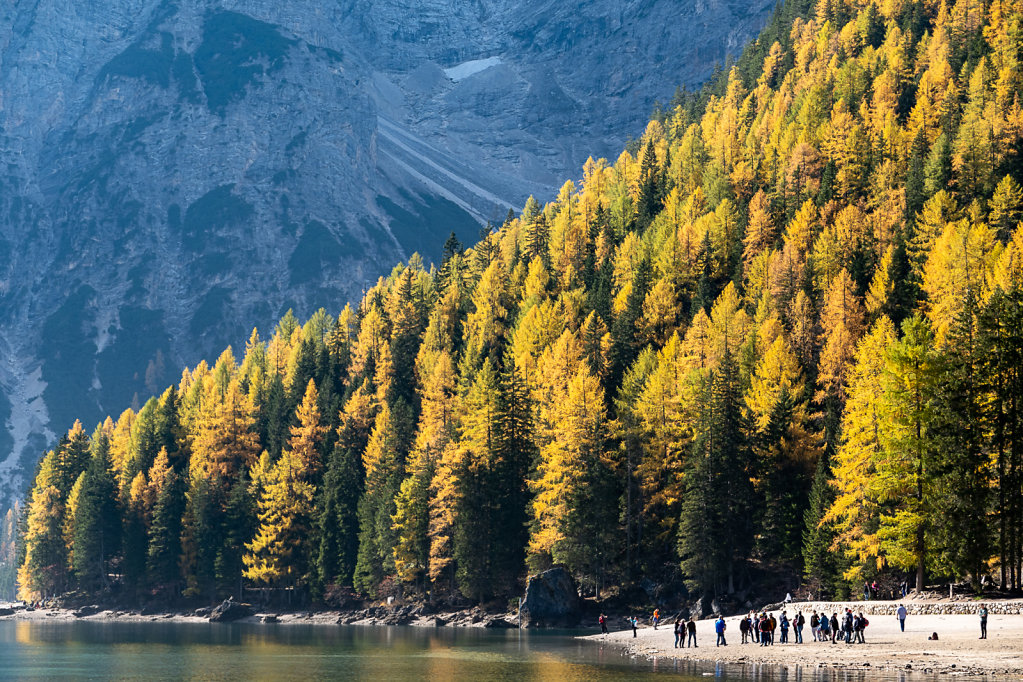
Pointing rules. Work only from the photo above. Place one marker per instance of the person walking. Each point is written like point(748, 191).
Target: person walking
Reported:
point(691, 629)
point(603, 624)
point(983, 621)
point(719, 627)
point(798, 625)
point(678, 632)
point(901, 615)
point(825, 625)
point(635, 626)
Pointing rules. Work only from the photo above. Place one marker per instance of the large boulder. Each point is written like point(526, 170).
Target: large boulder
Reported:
point(230, 611)
point(551, 600)
point(86, 611)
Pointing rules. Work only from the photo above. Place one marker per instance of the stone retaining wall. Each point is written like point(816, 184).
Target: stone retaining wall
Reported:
point(888, 608)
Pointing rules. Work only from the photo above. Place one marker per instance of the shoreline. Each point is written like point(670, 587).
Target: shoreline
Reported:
point(958, 651)
point(371, 616)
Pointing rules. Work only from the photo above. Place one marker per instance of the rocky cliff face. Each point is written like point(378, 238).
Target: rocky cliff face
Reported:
point(173, 173)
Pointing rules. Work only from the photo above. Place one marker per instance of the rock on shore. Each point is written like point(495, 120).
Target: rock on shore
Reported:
point(230, 611)
point(552, 600)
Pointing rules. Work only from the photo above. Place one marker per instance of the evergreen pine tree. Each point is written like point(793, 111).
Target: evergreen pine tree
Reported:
point(820, 560)
point(716, 526)
point(97, 532)
point(338, 522)
point(164, 551)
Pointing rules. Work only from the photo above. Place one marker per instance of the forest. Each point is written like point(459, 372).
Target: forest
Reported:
point(777, 342)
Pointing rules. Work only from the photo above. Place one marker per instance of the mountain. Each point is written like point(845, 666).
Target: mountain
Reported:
point(174, 173)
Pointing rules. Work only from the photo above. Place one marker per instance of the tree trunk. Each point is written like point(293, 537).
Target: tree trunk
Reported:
point(920, 560)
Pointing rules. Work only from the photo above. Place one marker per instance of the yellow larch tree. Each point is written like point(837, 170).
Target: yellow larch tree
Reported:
point(855, 505)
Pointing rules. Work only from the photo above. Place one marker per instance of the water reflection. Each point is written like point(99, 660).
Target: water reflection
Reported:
point(199, 651)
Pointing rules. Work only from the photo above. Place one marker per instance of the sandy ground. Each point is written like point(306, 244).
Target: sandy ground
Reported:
point(957, 651)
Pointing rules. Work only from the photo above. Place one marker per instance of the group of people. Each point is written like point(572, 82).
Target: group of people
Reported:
point(685, 633)
point(761, 628)
point(849, 628)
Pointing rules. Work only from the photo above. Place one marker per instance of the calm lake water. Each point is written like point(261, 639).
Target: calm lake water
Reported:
point(189, 651)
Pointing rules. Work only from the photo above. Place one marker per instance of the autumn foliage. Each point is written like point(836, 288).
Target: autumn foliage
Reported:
point(782, 331)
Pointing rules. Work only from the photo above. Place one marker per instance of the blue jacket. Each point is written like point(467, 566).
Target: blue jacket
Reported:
point(719, 625)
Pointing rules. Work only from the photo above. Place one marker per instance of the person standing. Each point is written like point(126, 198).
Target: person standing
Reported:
point(691, 629)
point(765, 629)
point(744, 628)
point(834, 627)
point(678, 632)
point(603, 624)
point(657, 617)
point(719, 627)
point(861, 625)
point(983, 621)
point(799, 623)
point(784, 623)
point(774, 627)
point(635, 626)
point(901, 615)
point(815, 624)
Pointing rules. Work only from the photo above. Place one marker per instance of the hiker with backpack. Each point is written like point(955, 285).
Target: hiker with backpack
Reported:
point(825, 624)
point(765, 629)
point(861, 625)
point(719, 627)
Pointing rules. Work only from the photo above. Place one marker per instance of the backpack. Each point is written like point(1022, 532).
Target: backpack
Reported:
point(864, 622)
point(814, 621)
point(800, 621)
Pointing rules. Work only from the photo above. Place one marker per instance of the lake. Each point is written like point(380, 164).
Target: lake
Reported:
point(199, 651)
